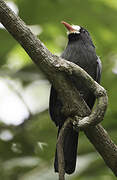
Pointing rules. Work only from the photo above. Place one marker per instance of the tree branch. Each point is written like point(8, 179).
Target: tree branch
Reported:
point(60, 153)
point(97, 114)
point(55, 68)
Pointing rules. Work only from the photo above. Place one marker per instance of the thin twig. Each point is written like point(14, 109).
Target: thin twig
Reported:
point(60, 153)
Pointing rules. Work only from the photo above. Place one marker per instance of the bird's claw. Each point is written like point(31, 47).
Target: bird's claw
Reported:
point(76, 122)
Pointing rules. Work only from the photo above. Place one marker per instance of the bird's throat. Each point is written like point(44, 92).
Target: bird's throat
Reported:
point(73, 37)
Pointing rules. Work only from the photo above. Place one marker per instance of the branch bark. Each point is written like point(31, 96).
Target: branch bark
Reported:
point(56, 69)
point(60, 153)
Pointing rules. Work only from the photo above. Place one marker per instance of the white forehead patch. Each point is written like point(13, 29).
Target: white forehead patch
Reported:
point(76, 28)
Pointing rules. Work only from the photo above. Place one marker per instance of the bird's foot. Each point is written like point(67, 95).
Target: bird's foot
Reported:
point(76, 122)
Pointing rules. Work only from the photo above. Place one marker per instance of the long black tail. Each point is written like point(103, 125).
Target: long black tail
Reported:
point(70, 151)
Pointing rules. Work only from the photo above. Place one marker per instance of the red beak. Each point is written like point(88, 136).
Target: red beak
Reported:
point(68, 26)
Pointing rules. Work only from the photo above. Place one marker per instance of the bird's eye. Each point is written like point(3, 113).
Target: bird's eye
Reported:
point(83, 31)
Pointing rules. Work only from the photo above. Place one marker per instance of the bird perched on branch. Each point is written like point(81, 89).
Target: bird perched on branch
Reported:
point(81, 51)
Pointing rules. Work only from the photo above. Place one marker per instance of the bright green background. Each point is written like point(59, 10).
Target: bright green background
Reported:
point(29, 161)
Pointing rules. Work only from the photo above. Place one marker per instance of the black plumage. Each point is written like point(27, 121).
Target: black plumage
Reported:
point(81, 51)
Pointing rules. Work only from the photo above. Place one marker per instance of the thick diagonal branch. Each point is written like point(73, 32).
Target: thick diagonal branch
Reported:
point(51, 66)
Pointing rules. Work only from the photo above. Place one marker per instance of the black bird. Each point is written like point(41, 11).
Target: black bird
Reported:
point(81, 51)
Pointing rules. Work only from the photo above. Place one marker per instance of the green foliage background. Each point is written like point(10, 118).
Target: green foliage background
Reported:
point(29, 161)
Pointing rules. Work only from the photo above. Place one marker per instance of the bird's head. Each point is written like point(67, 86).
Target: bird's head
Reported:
point(76, 33)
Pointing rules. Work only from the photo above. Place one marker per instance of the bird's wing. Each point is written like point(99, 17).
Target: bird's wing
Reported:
point(55, 107)
point(99, 70)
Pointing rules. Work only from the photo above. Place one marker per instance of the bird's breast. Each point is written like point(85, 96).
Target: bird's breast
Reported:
point(83, 56)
